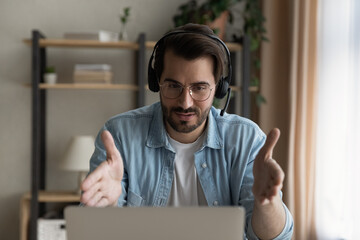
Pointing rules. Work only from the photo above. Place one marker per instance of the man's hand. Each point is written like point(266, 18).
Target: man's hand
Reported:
point(268, 175)
point(268, 217)
point(103, 186)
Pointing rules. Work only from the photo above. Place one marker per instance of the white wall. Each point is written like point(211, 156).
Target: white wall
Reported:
point(70, 112)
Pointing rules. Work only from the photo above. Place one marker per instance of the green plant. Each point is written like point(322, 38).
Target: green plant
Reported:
point(254, 28)
point(125, 16)
point(217, 102)
point(208, 11)
point(50, 69)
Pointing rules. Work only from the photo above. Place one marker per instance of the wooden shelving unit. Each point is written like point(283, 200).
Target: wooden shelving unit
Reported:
point(39, 43)
point(45, 197)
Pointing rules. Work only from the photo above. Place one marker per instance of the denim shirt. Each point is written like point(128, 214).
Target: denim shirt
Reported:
point(223, 163)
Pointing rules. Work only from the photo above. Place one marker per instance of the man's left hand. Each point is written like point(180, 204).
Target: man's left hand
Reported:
point(268, 175)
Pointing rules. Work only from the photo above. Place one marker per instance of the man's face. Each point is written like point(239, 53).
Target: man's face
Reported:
point(183, 115)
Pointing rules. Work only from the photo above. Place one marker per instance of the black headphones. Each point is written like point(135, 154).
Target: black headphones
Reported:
point(223, 84)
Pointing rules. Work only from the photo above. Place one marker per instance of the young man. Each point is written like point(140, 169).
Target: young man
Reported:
point(181, 151)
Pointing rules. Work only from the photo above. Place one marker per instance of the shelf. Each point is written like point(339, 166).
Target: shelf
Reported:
point(239, 89)
point(96, 86)
point(84, 43)
point(56, 196)
point(97, 44)
point(43, 196)
point(86, 86)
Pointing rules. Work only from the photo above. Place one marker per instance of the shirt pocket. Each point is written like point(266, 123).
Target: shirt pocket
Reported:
point(134, 200)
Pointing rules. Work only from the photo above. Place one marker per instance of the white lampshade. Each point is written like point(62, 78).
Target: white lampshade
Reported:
point(78, 153)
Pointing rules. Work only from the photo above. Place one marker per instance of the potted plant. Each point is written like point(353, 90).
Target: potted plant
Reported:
point(50, 75)
point(214, 13)
point(124, 18)
point(254, 28)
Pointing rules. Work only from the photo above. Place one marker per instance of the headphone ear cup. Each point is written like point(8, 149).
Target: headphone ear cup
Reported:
point(153, 80)
point(222, 88)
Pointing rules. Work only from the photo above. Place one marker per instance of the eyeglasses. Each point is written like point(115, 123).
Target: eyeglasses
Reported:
point(198, 91)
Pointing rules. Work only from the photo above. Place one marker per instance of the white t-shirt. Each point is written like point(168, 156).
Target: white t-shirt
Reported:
point(186, 189)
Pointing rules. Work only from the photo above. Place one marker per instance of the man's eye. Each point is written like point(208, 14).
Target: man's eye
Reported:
point(174, 85)
point(199, 88)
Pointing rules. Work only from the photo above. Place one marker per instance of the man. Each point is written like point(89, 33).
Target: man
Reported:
point(182, 151)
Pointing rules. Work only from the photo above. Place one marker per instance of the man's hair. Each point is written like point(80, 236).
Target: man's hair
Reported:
point(192, 45)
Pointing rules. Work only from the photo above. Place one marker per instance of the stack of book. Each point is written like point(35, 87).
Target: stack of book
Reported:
point(92, 73)
point(102, 36)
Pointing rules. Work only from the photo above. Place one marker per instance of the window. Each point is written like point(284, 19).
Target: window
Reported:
point(338, 131)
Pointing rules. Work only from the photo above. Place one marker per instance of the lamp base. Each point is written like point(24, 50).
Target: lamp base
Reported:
point(81, 178)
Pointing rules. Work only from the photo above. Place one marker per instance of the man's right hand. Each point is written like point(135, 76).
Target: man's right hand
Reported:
point(103, 186)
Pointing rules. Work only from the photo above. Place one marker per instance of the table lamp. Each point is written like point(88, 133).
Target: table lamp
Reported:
point(77, 156)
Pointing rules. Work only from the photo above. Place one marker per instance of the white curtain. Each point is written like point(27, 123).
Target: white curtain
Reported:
point(338, 132)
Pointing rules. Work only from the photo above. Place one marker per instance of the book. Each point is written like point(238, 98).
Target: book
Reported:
point(92, 76)
point(102, 36)
point(92, 67)
point(92, 73)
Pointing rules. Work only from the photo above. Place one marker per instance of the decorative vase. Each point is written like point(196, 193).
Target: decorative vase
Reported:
point(50, 78)
point(123, 36)
point(220, 24)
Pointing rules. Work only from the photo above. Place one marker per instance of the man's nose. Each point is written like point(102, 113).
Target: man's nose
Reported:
point(185, 99)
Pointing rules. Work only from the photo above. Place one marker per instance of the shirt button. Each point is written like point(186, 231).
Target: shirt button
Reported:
point(215, 203)
point(204, 165)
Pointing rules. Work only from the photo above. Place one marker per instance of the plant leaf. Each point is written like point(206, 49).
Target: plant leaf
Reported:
point(259, 99)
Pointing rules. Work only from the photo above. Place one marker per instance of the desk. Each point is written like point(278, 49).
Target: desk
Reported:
point(44, 196)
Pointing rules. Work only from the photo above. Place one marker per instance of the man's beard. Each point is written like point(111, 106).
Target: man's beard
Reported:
point(183, 126)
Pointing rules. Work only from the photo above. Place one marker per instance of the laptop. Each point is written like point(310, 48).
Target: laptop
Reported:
point(110, 223)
